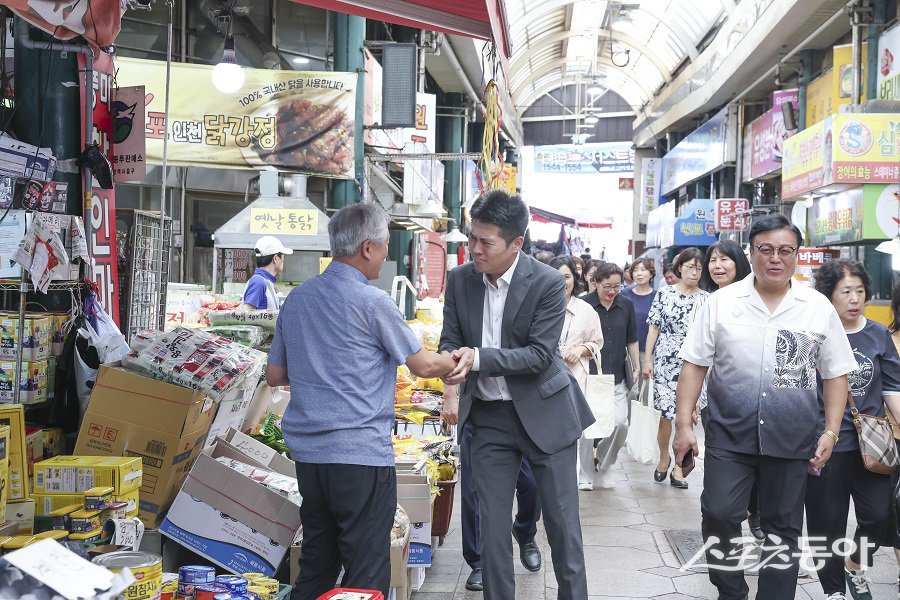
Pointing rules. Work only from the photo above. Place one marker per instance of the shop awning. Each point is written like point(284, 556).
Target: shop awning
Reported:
point(539, 215)
point(482, 19)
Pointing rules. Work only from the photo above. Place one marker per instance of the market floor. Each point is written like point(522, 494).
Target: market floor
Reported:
point(627, 552)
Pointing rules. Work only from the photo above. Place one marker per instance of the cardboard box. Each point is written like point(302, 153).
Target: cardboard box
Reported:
point(24, 160)
point(220, 537)
point(54, 442)
point(71, 474)
point(265, 400)
point(420, 545)
point(399, 559)
point(414, 495)
point(36, 340)
point(32, 383)
point(230, 414)
point(47, 503)
point(294, 559)
point(245, 500)
point(34, 449)
point(22, 514)
point(163, 424)
point(13, 415)
point(244, 448)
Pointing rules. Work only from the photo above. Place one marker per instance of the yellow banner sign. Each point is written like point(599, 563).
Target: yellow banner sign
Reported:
point(285, 221)
point(291, 120)
point(804, 161)
point(866, 148)
point(826, 94)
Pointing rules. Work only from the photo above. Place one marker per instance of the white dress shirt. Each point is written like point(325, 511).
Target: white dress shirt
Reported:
point(493, 388)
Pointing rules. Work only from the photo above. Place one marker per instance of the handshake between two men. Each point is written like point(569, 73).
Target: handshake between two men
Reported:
point(452, 367)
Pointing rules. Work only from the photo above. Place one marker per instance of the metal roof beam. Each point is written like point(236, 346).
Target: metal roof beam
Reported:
point(560, 64)
point(526, 100)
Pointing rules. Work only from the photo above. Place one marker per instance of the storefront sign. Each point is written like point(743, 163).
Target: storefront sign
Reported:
point(779, 131)
point(732, 214)
point(129, 162)
point(867, 148)
point(100, 204)
point(626, 183)
point(696, 226)
point(407, 139)
point(807, 160)
point(288, 221)
point(889, 64)
point(701, 152)
point(819, 103)
point(810, 260)
point(762, 159)
point(882, 210)
point(585, 159)
point(290, 120)
point(833, 89)
point(651, 175)
point(836, 218)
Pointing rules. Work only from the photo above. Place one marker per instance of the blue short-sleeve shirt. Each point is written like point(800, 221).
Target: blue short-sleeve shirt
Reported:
point(341, 341)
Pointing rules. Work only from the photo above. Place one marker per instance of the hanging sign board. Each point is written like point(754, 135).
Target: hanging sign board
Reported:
point(732, 214)
point(129, 159)
point(585, 159)
point(288, 120)
point(286, 221)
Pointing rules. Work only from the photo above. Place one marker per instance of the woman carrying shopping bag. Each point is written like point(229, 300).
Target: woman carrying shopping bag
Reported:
point(619, 329)
point(581, 339)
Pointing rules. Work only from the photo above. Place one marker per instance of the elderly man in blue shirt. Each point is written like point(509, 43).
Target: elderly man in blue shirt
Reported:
point(338, 342)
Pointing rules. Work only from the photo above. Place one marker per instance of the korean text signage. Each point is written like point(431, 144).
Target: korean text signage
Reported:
point(701, 152)
point(615, 157)
point(880, 206)
point(287, 221)
point(696, 226)
point(810, 260)
point(807, 160)
point(651, 175)
point(836, 218)
point(866, 148)
point(833, 89)
point(732, 214)
point(289, 120)
point(129, 161)
point(768, 134)
point(100, 204)
point(889, 64)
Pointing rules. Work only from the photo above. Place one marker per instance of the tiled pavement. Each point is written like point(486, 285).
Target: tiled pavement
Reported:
point(627, 553)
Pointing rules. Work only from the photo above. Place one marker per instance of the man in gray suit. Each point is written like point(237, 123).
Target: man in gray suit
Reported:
point(503, 316)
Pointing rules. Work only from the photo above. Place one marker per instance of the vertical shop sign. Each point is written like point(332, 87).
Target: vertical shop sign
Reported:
point(100, 204)
point(889, 64)
point(732, 214)
point(779, 132)
point(650, 180)
point(129, 161)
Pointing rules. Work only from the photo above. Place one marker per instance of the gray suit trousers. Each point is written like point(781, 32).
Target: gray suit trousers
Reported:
point(499, 442)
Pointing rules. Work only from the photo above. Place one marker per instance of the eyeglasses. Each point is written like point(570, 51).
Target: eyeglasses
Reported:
point(609, 288)
point(769, 250)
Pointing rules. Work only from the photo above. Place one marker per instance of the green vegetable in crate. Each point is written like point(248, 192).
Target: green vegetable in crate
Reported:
point(269, 433)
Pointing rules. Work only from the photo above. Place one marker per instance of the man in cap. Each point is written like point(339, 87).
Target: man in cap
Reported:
point(260, 292)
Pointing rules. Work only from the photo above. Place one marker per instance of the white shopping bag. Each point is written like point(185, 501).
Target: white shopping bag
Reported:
point(641, 441)
point(600, 394)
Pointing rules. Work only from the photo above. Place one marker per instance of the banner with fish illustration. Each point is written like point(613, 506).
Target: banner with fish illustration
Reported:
point(299, 121)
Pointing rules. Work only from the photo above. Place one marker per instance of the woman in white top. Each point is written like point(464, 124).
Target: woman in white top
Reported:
point(580, 340)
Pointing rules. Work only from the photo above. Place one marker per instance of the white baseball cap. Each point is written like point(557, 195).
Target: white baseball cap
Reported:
point(268, 245)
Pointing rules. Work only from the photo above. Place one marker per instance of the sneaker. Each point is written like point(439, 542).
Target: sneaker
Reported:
point(858, 584)
point(607, 481)
point(586, 486)
point(836, 596)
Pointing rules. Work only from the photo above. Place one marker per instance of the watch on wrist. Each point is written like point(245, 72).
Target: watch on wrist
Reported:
point(832, 435)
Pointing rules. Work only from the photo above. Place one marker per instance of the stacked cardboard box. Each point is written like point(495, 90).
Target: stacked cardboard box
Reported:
point(162, 424)
point(13, 415)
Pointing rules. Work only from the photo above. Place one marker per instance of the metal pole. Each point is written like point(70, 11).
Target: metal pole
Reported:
point(738, 175)
point(856, 53)
point(163, 196)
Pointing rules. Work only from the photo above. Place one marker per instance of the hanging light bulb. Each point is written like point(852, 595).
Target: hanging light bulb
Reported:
point(227, 76)
point(454, 235)
point(595, 89)
point(591, 120)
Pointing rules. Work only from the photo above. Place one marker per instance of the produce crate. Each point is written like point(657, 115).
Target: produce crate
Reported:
point(284, 591)
point(443, 507)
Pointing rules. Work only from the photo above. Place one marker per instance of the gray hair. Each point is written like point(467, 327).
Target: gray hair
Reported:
point(353, 225)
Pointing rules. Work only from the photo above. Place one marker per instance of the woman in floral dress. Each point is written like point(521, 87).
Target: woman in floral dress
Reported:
point(669, 318)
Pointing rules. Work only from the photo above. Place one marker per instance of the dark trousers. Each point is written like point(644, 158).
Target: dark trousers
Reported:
point(527, 515)
point(827, 506)
point(499, 443)
point(728, 478)
point(347, 515)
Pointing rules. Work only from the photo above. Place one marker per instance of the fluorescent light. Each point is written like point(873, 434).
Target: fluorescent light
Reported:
point(227, 76)
point(591, 120)
point(301, 60)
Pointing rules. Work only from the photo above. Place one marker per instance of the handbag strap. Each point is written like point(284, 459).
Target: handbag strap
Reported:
point(853, 410)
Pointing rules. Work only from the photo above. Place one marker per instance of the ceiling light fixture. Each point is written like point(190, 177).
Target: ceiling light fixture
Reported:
point(227, 76)
point(594, 88)
point(454, 235)
point(591, 120)
point(301, 60)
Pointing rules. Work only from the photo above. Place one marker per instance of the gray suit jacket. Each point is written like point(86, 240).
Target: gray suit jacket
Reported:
point(544, 392)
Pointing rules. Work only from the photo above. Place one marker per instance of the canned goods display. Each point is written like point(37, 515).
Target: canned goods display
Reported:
point(196, 574)
point(260, 591)
point(225, 596)
point(271, 585)
point(235, 584)
point(98, 498)
point(251, 577)
point(208, 591)
point(84, 520)
point(146, 568)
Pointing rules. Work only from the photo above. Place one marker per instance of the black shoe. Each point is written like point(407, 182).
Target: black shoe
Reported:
point(475, 581)
point(660, 476)
point(681, 484)
point(755, 527)
point(530, 555)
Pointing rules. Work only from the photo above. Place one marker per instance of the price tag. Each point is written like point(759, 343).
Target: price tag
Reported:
point(126, 532)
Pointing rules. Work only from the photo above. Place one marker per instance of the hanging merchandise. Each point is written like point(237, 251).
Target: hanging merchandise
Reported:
point(40, 253)
point(490, 166)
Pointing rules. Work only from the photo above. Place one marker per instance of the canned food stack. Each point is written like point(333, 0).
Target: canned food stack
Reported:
point(201, 583)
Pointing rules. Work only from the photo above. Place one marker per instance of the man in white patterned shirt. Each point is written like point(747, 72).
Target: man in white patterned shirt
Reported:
point(763, 340)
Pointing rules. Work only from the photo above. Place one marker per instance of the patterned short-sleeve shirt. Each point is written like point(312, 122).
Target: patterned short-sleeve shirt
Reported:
point(763, 366)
